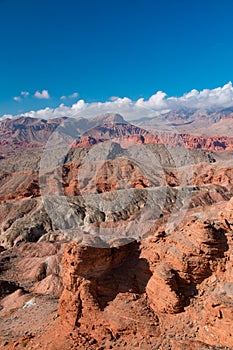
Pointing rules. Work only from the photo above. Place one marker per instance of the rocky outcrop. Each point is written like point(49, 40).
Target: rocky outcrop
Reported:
point(34, 267)
point(23, 221)
point(183, 279)
point(172, 289)
point(187, 257)
point(89, 279)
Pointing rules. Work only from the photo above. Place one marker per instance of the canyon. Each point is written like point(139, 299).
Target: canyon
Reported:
point(114, 235)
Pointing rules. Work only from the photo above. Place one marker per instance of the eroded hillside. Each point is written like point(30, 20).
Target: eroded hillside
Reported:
point(122, 243)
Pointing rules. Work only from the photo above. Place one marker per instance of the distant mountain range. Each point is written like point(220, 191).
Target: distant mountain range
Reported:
point(192, 121)
point(189, 128)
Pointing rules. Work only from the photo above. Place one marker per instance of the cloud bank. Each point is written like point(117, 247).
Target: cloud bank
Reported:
point(221, 97)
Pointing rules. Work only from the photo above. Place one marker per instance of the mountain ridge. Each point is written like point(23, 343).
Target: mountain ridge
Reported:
point(26, 133)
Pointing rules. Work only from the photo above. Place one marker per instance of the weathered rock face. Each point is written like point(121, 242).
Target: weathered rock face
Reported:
point(184, 279)
point(23, 216)
point(89, 278)
point(173, 289)
point(23, 221)
point(162, 290)
point(34, 267)
point(187, 257)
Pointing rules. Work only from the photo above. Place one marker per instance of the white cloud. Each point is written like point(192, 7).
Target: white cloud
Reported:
point(221, 97)
point(74, 95)
point(44, 94)
point(24, 93)
point(17, 98)
point(218, 97)
point(113, 98)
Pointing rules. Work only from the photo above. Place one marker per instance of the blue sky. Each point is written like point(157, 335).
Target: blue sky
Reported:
point(111, 48)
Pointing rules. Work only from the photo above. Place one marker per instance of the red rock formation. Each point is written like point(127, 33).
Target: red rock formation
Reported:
point(210, 143)
point(83, 269)
point(180, 270)
point(171, 290)
point(17, 135)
